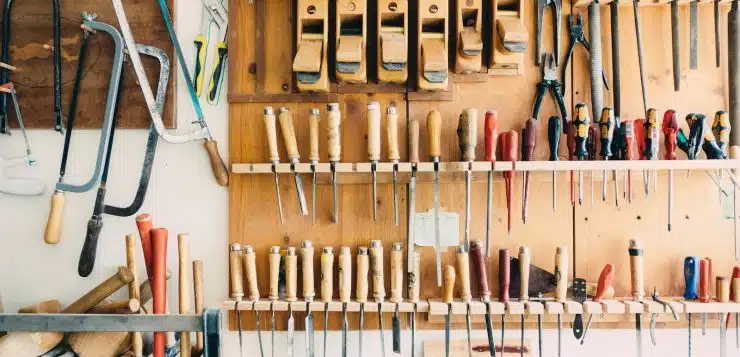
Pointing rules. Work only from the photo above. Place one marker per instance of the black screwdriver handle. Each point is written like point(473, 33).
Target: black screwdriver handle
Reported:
point(606, 131)
point(554, 126)
point(580, 130)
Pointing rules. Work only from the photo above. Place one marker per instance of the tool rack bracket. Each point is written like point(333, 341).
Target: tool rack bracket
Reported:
point(633, 307)
point(334, 306)
point(585, 3)
point(99, 323)
point(592, 307)
point(554, 308)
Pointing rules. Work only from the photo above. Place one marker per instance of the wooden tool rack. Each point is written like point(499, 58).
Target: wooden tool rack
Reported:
point(260, 59)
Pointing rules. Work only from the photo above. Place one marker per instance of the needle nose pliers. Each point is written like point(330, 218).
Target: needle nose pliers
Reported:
point(575, 28)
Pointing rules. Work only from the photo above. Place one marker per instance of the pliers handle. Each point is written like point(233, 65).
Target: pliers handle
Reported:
point(577, 36)
point(556, 91)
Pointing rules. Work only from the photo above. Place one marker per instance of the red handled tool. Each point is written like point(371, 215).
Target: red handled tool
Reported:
point(591, 148)
point(705, 288)
point(605, 282)
point(159, 284)
point(509, 152)
point(629, 145)
point(504, 277)
point(490, 133)
point(529, 134)
point(670, 132)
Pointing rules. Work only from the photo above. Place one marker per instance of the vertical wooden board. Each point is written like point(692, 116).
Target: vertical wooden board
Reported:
point(242, 59)
point(279, 41)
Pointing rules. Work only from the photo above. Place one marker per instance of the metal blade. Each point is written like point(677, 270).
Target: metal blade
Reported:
point(272, 331)
point(259, 332)
point(375, 194)
point(301, 195)
point(277, 192)
point(410, 244)
point(722, 335)
point(694, 34)
point(344, 329)
point(395, 195)
point(437, 239)
point(239, 326)
point(638, 329)
point(466, 241)
point(468, 328)
point(413, 332)
point(653, 321)
point(447, 335)
point(313, 195)
point(326, 324)
point(489, 209)
point(291, 333)
point(362, 324)
point(310, 342)
point(489, 331)
point(396, 328)
point(380, 325)
point(334, 190)
point(560, 335)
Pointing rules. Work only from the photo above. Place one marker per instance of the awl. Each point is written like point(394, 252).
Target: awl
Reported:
point(463, 266)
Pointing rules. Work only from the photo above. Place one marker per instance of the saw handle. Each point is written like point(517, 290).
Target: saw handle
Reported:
point(307, 270)
point(363, 269)
point(391, 121)
point(274, 261)
point(288, 130)
point(235, 272)
point(490, 134)
point(159, 287)
point(327, 271)
point(525, 258)
point(434, 127)
point(481, 269)
point(53, 230)
point(449, 285)
point(333, 122)
point(691, 278)
point(291, 275)
point(376, 270)
point(220, 173)
point(397, 273)
point(184, 288)
point(606, 278)
point(561, 273)
point(344, 274)
point(314, 117)
point(504, 275)
point(467, 132)
point(637, 269)
point(373, 131)
point(414, 141)
point(144, 225)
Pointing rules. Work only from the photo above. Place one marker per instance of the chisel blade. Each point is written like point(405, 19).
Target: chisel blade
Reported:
point(313, 195)
point(489, 332)
point(437, 239)
point(694, 34)
point(301, 194)
point(396, 326)
point(638, 330)
point(344, 329)
point(380, 326)
point(447, 335)
point(291, 333)
point(413, 332)
point(362, 324)
point(410, 243)
point(468, 327)
point(395, 195)
point(310, 342)
point(259, 332)
point(722, 335)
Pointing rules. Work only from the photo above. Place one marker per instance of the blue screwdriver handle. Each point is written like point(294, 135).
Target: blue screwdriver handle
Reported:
point(691, 275)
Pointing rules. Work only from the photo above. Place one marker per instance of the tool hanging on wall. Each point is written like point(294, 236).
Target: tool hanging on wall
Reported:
point(344, 282)
point(447, 298)
point(236, 287)
point(376, 273)
point(291, 146)
point(504, 279)
point(577, 35)
point(670, 130)
point(413, 283)
point(396, 293)
point(373, 149)
point(433, 35)
point(327, 285)
point(363, 269)
point(606, 131)
point(54, 223)
point(675, 46)
point(509, 152)
point(57, 55)
point(466, 296)
point(467, 135)
point(334, 134)
point(529, 139)
point(654, 316)
point(291, 296)
point(694, 34)
point(591, 149)
point(717, 35)
point(218, 167)
point(638, 285)
point(490, 141)
point(274, 155)
point(480, 266)
point(351, 41)
point(561, 287)
point(393, 41)
point(249, 264)
point(469, 36)
point(691, 279)
point(550, 81)
point(307, 252)
point(554, 127)
point(414, 160)
point(213, 14)
point(5, 58)
point(557, 16)
point(580, 123)
point(313, 156)
point(640, 56)
point(16, 183)
point(310, 64)
point(652, 143)
point(434, 123)
point(605, 282)
point(391, 120)
point(524, 264)
point(595, 66)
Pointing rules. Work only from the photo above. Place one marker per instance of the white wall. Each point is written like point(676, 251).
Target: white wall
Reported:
point(184, 198)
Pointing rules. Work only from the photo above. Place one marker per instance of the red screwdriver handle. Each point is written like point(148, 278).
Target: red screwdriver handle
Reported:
point(605, 282)
point(530, 140)
point(639, 130)
point(670, 131)
point(491, 134)
point(504, 274)
point(705, 280)
point(629, 139)
point(509, 152)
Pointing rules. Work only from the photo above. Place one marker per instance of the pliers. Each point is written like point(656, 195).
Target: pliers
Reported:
point(557, 19)
point(213, 14)
point(550, 81)
point(653, 317)
point(575, 27)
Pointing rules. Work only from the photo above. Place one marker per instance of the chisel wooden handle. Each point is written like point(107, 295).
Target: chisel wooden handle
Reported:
point(53, 231)
point(397, 273)
point(220, 172)
point(249, 262)
point(449, 285)
point(126, 306)
point(144, 225)
point(291, 275)
point(159, 285)
point(467, 134)
point(414, 283)
point(434, 127)
point(373, 131)
point(198, 292)
point(133, 287)
point(414, 141)
point(271, 131)
point(561, 273)
point(288, 130)
point(307, 270)
point(504, 274)
point(235, 272)
point(274, 260)
point(333, 126)
point(463, 268)
point(122, 277)
point(313, 127)
point(480, 265)
point(637, 270)
point(705, 280)
point(391, 122)
point(605, 282)
point(184, 288)
point(344, 274)
point(723, 289)
point(490, 134)
point(736, 288)
point(376, 270)
point(524, 262)
point(327, 274)
point(363, 269)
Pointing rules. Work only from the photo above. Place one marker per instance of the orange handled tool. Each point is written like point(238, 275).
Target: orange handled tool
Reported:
point(509, 152)
point(490, 134)
point(144, 224)
point(605, 282)
point(159, 284)
point(734, 293)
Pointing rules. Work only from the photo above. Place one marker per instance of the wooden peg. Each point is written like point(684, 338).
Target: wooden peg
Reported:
point(250, 268)
point(291, 275)
point(274, 261)
point(463, 268)
point(351, 30)
point(307, 270)
point(327, 274)
point(344, 274)
point(397, 273)
point(235, 272)
point(184, 288)
point(393, 41)
point(449, 285)
point(469, 31)
point(524, 263)
point(376, 270)
point(432, 32)
point(312, 34)
point(363, 269)
point(561, 273)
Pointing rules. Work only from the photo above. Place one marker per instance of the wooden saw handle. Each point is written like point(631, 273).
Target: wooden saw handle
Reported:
point(291, 275)
point(344, 274)
point(307, 270)
point(449, 285)
point(159, 285)
point(363, 269)
point(53, 231)
point(434, 126)
point(184, 288)
point(144, 225)
point(101, 292)
point(333, 126)
point(373, 131)
point(376, 270)
point(327, 274)
point(235, 272)
point(288, 130)
point(561, 273)
point(397, 273)
point(274, 260)
point(313, 124)
point(220, 172)
point(391, 117)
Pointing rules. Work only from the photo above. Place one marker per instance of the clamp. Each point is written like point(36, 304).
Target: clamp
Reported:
point(550, 81)
point(654, 316)
point(558, 16)
point(575, 28)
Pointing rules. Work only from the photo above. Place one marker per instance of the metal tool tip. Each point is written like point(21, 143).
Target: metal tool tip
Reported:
point(275, 249)
point(291, 251)
point(461, 249)
point(307, 244)
point(373, 106)
point(269, 111)
point(397, 246)
point(332, 107)
point(328, 250)
point(391, 110)
point(284, 109)
point(523, 250)
point(248, 249)
point(314, 111)
point(376, 244)
point(236, 247)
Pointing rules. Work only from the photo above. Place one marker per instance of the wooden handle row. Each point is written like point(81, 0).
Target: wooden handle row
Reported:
point(397, 273)
point(333, 126)
point(271, 131)
point(286, 126)
point(250, 269)
point(291, 275)
point(53, 231)
point(274, 260)
point(363, 269)
point(415, 278)
point(307, 251)
point(391, 117)
point(313, 125)
point(327, 274)
point(467, 133)
point(235, 272)
point(524, 263)
point(637, 270)
point(376, 270)
point(561, 273)
point(344, 274)
point(184, 288)
point(414, 141)
point(480, 265)
point(449, 285)
point(373, 131)
point(434, 127)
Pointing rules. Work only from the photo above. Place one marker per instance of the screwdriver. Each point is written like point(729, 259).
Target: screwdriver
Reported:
point(561, 287)
point(490, 136)
point(670, 129)
point(361, 292)
point(313, 156)
point(524, 264)
point(529, 135)
point(606, 129)
point(591, 148)
point(721, 130)
point(373, 148)
point(705, 288)
point(723, 296)
point(571, 157)
point(580, 135)
point(467, 132)
point(629, 148)
point(333, 122)
point(638, 285)
point(504, 277)
point(434, 123)
point(291, 146)
point(735, 297)
point(605, 282)
point(691, 279)
point(639, 140)
point(554, 125)
point(480, 265)
point(509, 152)
point(394, 155)
point(651, 140)
point(271, 127)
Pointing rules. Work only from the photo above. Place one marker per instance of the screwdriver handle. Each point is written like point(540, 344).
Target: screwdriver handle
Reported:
point(313, 126)
point(639, 128)
point(705, 280)
point(629, 139)
point(271, 129)
point(414, 141)
point(481, 269)
point(463, 267)
point(449, 285)
point(434, 126)
point(307, 251)
point(591, 142)
point(580, 130)
point(274, 260)
point(504, 274)
point(373, 131)
point(530, 140)
point(723, 289)
point(721, 129)
point(637, 270)
point(363, 269)
point(554, 126)
point(376, 270)
point(696, 134)
point(651, 134)
point(491, 134)
point(735, 284)
point(286, 126)
point(467, 134)
point(691, 278)
point(414, 283)
point(291, 275)
point(344, 274)
point(327, 274)
point(606, 132)
point(249, 263)
point(561, 273)
point(391, 117)
point(510, 148)
point(605, 282)
point(670, 133)
point(235, 272)
point(333, 122)
point(524, 263)
point(397, 273)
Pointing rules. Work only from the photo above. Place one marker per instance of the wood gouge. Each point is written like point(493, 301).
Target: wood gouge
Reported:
point(463, 266)
point(313, 156)
point(274, 155)
point(291, 294)
point(333, 123)
point(237, 287)
point(373, 148)
point(480, 265)
point(637, 279)
point(376, 269)
point(307, 252)
point(249, 263)
point(434, 123)
point(447, 298)
point(467, 130)
point(396, 292)
point(291, 146)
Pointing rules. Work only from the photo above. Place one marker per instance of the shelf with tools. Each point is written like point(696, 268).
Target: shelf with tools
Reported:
point(584, 3)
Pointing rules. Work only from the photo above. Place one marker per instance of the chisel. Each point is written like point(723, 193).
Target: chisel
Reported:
point(274, 261)
point(396, 292)
point(691, 279)
point(307, 251)
point(327, 285)
point(434, 123)
point(723, 296)
point(504, 276)
point(373, 148)
point(705, 288)
point(291, 293)
point(363, 269)
point(391, 117)
point(313, 156)
point(413, 283)
point(237, 287)
point(291, 146)
point(466, 296)
point(344, 276)
point(670, 131)
point(606, 131)
point(580, 124)
point(183, 259)
point(414, 160)
point(250, 269)
point(447, 298)
point(467, 133)
point(274, 155)
point(376, 271)
point(333, 122)
point(490, 140)
point(529, 137)
point(480, 265)
point(524, 262)
point(638, 285)
point(509, 152)
point(694, 34)
point(605, 282)
point(675, 46)
point(561, 287)
point(554, 126)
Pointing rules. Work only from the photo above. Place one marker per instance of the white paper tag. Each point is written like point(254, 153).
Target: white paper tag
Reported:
point(449, 231)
